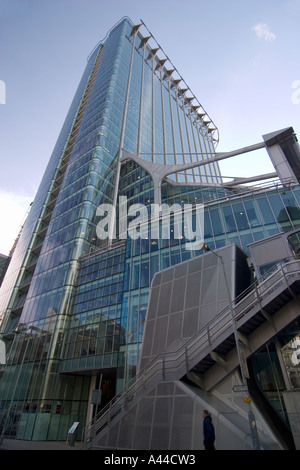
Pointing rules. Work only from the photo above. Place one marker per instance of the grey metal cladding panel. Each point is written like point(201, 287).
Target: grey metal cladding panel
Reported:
point(274, 137)
point(182, 425)
point(165, 388)
point(195, 264)
point(156, 280)
point(153, 302)
point(210, 260)
point(207, 313)
point(272, 250)
point(164, 299)
point(159, 335)
point(167, 275)
point(148, 337)
point(160, 436)
point(292, 153)
point(174, 328)
point(193, 290)
point(143, 362)
point(112, 436)
point(190, 322)
point(162, 418)
point(126, 431)
point(178, 294)
point(180, 270)
point(143, 423)
point(210, 289)
point(163, 410)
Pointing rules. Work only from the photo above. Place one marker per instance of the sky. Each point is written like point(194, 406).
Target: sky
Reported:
point(239, 58)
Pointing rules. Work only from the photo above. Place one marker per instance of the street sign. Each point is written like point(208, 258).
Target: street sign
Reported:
point(74, 427)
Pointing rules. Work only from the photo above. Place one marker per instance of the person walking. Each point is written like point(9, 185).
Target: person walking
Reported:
point(208, 431)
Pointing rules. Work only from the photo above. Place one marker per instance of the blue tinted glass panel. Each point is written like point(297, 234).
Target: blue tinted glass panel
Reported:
point(216, 222)
point(266, 211)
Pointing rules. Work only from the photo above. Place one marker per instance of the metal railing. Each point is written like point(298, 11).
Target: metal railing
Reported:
point(174, 365)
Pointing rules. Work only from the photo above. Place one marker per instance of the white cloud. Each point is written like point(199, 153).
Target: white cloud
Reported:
point(13, 208)
point(262, 31)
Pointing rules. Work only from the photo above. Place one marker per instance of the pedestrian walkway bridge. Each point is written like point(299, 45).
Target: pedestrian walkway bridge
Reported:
point(205, 359)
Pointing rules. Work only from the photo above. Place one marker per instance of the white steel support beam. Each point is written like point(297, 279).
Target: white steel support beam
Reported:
point(159, 171)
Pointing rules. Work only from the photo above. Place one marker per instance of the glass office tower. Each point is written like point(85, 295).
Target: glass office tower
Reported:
point(73, 303)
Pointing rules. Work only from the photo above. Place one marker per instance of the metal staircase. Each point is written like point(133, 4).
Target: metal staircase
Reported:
point(210, 353)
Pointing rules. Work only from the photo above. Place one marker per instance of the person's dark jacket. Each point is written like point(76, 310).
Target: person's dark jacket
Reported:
point(208, 430)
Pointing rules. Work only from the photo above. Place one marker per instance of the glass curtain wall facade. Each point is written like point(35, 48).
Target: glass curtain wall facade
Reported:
point(73, 305)
point(125, 100)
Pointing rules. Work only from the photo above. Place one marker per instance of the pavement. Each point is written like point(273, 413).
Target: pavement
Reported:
point(14, 444)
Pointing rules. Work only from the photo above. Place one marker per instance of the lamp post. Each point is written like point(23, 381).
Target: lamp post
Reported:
point(247, 399)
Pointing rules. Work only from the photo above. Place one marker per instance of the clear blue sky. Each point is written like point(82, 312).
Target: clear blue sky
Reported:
point(240, 59)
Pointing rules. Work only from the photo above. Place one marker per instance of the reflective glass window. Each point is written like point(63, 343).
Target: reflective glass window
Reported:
point(216, 222)
point(294, 243)
point(265, 209)
point(240, 215)
point(229, 219)
point(290, 348)
point(252, 213)
point(279, 211)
